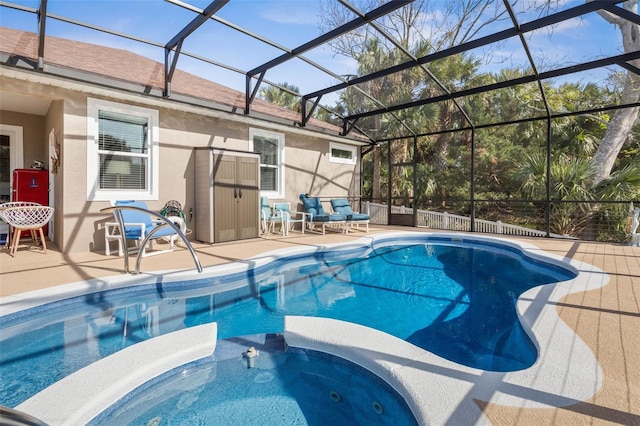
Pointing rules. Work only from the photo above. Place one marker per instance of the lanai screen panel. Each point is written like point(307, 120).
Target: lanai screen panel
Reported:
point(563, 44)
point(520, 102)
point(18, 18)
point(510, 174)
point(586, 90)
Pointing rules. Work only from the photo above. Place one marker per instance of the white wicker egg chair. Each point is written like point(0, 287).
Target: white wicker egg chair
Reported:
point(26, 217)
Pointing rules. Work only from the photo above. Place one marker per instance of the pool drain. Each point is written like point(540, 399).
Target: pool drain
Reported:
point(335, 396)
point(377, 407)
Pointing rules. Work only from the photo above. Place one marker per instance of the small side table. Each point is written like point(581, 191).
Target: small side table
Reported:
point(290, 222)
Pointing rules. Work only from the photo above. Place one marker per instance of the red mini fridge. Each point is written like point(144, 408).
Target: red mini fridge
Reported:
point(31, 185)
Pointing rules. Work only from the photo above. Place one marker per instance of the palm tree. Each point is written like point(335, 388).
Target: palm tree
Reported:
point(575, 201)
point(284, 94)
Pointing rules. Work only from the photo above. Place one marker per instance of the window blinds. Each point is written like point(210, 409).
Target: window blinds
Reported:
point(123, 150)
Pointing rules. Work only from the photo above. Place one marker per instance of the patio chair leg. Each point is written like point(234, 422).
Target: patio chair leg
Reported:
point(44, 244)
point(14, 242)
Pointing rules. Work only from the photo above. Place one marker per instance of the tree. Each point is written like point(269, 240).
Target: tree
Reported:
point(575, 198)
point(285, 95)
point(412, 31)
point(395, 88)
point(580, 143)
point(623, 121)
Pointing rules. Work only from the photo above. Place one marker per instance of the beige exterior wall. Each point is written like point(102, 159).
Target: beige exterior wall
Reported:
point(180, 132)
point(34, 139)
point(309, 171)
point(79, 224)
point(82, 228)
point(54, 122)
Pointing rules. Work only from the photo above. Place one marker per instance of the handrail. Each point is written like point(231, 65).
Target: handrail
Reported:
point(120, 220)
point(12, 417)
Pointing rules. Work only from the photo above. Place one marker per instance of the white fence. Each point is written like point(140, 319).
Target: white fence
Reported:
point(448, 221)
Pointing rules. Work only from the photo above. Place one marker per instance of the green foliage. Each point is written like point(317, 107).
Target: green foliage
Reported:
point(622, 185)
point(286, 98)
point(576, 203)
point(509, 161)
point(531, 174)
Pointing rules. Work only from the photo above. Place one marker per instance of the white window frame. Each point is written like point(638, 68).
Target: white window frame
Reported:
point(94, 193)
point(342, 147)
point(280, 193)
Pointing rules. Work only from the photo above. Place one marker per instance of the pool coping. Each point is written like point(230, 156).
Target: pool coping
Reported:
point(84, 394)
point(566, 372)
point(31, 299)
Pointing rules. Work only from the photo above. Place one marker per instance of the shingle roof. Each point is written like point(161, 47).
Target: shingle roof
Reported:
point(129, 67)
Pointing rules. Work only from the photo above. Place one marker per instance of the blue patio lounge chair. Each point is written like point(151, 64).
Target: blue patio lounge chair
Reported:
point(342, 206)
point(137, 225)
point(318, 217)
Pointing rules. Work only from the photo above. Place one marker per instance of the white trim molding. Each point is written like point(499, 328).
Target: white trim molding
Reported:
point(94, 193)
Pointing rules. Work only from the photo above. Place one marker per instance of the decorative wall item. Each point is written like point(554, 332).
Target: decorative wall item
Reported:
point(55, 158)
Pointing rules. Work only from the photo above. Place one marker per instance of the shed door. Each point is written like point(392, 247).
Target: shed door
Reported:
point(248, 180)
point(224, 213)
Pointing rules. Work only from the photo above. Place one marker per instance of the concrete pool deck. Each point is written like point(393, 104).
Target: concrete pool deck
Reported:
point(607, 319)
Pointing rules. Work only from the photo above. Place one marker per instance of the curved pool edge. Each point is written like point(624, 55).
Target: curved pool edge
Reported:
point(565, 373)
point(83, 395)
point(439, 391)
point(390, 358)
point(31, 299)
point(19, 302)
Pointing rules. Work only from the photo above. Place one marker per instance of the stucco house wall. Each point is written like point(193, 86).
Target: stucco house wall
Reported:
point(78, 223)
point(33, 131)
point(54, 123)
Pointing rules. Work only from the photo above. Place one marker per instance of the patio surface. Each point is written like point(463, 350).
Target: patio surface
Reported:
point(607, 319)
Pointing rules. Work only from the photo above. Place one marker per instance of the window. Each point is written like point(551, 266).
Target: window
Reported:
point(344, 154)
point(270, 146)
point(122, 151)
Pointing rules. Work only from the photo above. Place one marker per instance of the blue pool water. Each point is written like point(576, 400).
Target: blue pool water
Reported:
point(455, 299)
point(286, 386)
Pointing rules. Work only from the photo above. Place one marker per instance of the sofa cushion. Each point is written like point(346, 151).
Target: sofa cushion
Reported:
point(313, 206)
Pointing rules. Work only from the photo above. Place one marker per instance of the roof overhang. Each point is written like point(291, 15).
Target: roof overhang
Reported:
point(100, 86)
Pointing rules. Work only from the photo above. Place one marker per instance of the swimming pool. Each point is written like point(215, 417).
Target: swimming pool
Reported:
point(423, 289)
point(285, 385)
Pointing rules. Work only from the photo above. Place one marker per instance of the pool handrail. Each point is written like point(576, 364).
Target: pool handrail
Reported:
point(11, 416)
point(166, 222)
